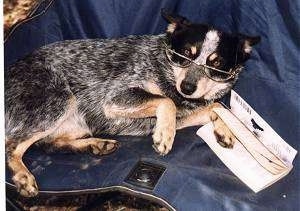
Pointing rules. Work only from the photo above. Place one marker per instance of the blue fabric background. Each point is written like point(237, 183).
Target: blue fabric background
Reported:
point(195, 178)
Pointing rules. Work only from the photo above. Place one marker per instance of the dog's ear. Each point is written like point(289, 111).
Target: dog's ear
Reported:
point(175, 21)
point(247, 42)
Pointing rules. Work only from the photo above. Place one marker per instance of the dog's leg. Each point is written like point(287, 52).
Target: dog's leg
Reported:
point(165, 129)
point(96, 146)
point(16, 147)
point(204, 115)
point(137, 103)
point(23, 179)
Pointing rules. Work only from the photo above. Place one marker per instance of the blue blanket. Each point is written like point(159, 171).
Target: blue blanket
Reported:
point(195, 179)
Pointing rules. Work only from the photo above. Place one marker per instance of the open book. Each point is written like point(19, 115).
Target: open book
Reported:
point(260, 157)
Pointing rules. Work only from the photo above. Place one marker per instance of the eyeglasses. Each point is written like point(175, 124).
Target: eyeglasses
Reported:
point(211, 72)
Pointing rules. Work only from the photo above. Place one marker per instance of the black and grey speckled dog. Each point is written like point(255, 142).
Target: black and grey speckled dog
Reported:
point(68, 92)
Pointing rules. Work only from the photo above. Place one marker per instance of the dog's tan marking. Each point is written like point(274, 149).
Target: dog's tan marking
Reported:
point(171, 28)
point(144, 110)
point(147, 109)
point(213, 56)
point(23, 179)
point(141, 111)
point(198, 117)
point(194, 50)
point(152, 87)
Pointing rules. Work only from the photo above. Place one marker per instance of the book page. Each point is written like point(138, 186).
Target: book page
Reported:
point(261, 129)
point(258, 150)
point(240, 162)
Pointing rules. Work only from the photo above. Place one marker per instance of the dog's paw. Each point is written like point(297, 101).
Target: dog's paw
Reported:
point(163, 138)
point(225, 139)
point(222, 133)
point(25, 183)
point(103, 146)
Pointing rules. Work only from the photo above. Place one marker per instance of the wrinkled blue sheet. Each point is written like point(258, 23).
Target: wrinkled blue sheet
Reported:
point(195, 178)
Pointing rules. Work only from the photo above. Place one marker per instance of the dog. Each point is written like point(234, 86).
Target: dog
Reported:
point(68, 93)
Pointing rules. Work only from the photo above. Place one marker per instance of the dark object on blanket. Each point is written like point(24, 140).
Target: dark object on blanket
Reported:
point(109, 201)
point(145, 175)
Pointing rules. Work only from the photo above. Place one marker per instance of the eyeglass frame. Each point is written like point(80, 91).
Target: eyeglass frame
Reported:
point(232, 73)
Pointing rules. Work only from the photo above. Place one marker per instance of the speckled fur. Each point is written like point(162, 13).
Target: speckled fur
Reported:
point(96, 72)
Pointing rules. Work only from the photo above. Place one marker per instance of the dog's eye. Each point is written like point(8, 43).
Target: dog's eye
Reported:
point(187, 52)
point(216, 63)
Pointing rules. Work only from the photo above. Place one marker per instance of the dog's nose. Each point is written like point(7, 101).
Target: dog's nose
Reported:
point(187, 88)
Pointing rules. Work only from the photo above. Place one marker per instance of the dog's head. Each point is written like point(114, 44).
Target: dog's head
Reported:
point(206, 61)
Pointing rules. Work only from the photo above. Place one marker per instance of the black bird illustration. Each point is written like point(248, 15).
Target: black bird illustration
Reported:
point(256, 126)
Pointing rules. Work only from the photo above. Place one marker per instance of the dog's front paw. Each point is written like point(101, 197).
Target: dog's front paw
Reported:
point(163, 138)
point(222, 133)
point(224, 138)
point(25, 183)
